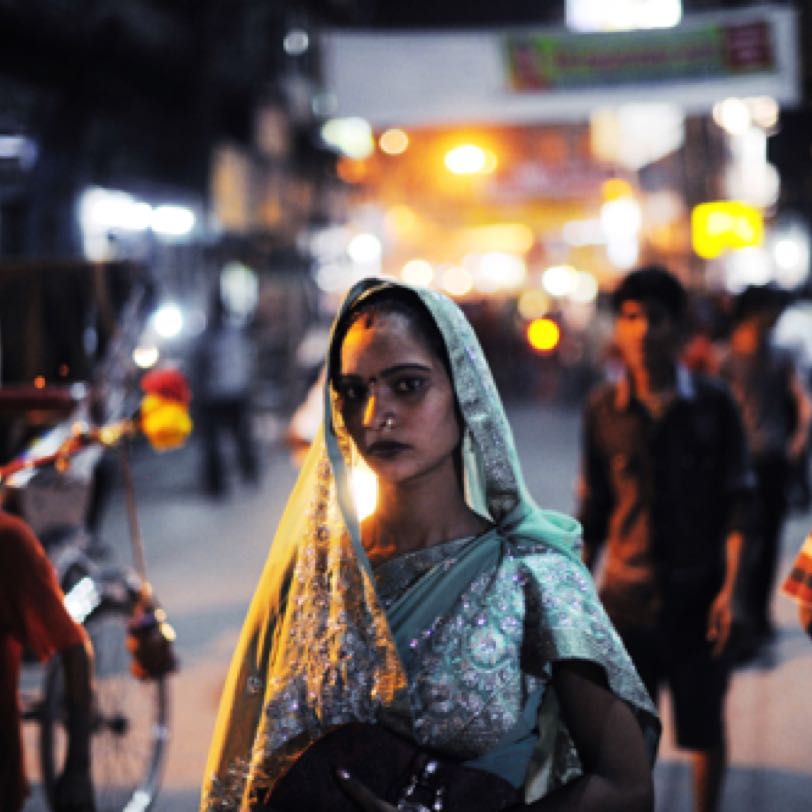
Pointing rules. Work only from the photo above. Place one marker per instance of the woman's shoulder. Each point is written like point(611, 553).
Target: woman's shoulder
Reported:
point(550, 563)
point(548, 566)
point(547, 536)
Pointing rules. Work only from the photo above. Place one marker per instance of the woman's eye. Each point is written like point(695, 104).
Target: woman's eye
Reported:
point(352, 392)
point(406, 386)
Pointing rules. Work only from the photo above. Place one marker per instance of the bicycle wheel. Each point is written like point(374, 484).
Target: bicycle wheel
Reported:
point(131, 729)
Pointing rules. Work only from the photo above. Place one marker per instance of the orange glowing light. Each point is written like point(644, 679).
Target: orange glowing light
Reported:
point(543, 335)
point(616, 188)
point(350, 170)
point(402, 220)
point(39, 382)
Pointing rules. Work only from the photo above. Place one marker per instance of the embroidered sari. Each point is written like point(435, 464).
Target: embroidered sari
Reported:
point(452, 646)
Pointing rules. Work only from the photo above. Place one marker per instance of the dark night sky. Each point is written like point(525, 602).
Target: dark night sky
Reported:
point(463, 13)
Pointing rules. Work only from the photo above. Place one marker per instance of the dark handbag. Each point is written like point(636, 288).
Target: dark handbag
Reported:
point(393, 768)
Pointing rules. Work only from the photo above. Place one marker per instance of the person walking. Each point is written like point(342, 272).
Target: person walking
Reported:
point(776, 412)
point(223, 370)
point(664, 490)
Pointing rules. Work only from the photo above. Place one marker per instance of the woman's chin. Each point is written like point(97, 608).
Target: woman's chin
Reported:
point(392, 472)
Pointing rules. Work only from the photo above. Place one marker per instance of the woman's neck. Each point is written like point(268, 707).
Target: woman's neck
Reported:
point(416, 515)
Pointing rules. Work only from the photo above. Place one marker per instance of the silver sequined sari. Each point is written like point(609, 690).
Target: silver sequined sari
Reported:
point(453, 647)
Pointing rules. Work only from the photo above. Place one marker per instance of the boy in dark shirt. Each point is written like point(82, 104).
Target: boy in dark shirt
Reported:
point(665, 485)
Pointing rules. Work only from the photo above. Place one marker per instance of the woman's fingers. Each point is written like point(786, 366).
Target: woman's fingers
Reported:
point(359, 793)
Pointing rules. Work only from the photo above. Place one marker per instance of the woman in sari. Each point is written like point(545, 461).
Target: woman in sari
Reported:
point(458, 615)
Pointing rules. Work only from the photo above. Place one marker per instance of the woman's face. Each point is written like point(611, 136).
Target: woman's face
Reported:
point(396, 400)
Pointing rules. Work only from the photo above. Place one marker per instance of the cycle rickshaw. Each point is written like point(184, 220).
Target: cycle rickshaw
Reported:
point(71, 404)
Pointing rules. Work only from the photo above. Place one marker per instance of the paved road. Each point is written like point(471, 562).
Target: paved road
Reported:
point(204, 559)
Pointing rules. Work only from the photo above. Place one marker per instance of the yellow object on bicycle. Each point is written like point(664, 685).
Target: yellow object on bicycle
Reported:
point(165, 423)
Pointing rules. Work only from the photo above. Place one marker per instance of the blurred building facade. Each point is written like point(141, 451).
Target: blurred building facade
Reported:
point(190, 137)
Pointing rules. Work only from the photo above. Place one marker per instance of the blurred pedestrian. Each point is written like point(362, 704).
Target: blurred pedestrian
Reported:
point(776, 412)
point(665, 486)
point(798, 584)
point(706, 323)
point(33, 616)
point(223, 375)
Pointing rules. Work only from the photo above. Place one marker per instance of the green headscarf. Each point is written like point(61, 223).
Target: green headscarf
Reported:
point(494, 485)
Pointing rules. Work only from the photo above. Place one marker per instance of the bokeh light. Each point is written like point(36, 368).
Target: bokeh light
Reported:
point(172, 221)
point(417, 272)
point(533, 304)
point(296, 42)
point(146, 356)
point(393, 142)
point(364, 487)
point(732, 115)
point(499, 270)
point(469, 159)
point(168, 320)
point(559, 280)
point(457, 281)
point(365, 249)
point(543, 335)
point(585, 289)
point(351, 136)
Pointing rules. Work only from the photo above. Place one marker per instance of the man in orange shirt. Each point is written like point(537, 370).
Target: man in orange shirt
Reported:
point(33, 615)
point(798, 584)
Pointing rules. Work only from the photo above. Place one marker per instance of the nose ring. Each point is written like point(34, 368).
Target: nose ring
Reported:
point(389, 422)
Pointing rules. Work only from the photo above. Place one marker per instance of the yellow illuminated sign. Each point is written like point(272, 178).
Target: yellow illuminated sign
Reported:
point(725, 225)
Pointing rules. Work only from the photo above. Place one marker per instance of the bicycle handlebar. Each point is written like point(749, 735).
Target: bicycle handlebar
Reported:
point(82, 436)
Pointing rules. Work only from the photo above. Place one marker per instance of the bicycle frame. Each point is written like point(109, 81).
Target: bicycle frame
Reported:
point(117, 608)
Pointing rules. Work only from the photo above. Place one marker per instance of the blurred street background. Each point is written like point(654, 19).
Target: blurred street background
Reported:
point(180, 178)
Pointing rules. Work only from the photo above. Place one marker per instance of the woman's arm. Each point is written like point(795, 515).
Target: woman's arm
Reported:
point(617, 774)
point(595, 495)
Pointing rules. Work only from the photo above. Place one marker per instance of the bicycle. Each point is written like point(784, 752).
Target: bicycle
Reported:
point(131, 728)
point(130, 637)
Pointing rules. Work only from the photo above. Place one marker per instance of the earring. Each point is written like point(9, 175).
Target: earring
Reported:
point(389, 422)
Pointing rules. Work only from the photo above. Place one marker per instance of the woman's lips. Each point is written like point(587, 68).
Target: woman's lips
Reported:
point(385, 448)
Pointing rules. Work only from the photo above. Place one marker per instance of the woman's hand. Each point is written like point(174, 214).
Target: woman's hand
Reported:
point(363, 797)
